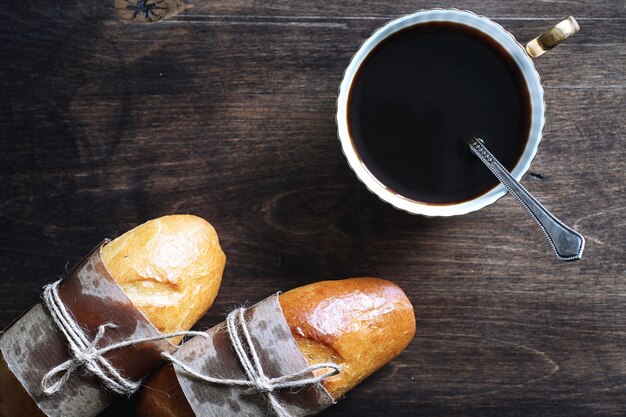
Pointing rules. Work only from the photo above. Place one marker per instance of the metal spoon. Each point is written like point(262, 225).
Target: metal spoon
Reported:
point(567, 244)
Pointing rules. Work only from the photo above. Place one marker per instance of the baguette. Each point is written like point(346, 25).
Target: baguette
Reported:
point(170, 268)
point(359, 323)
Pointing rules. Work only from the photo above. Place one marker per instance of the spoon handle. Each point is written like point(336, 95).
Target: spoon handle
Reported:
point(568, 244)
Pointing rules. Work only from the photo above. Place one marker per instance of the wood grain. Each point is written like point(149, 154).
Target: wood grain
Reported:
point(227, 111)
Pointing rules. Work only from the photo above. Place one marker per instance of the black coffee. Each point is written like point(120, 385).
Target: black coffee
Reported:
point(419, 93)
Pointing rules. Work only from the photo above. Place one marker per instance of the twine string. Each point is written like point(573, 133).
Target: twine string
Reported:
point(86, 354)
point(257, 381)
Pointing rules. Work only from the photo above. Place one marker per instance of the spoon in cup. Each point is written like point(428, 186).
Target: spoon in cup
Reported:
point(567, 244)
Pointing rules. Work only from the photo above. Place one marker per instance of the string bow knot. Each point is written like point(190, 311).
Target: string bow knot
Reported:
point(85, 353)
point(258, 381)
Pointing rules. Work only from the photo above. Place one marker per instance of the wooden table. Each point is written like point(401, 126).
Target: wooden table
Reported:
point(226, 110)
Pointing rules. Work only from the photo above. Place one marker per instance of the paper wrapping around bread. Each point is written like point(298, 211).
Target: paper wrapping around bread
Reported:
point(33, 345)
point(358, 323)
point(170, 268)
point(278, 353)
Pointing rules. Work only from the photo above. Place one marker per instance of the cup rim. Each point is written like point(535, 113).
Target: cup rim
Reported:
point(495, 32)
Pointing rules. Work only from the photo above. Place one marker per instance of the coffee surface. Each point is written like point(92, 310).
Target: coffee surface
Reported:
point(419, 93)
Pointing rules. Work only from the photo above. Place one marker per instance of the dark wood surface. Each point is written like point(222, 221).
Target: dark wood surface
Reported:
point(226, 110)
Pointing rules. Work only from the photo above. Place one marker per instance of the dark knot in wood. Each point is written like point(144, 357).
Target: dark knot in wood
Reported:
point(148, 10)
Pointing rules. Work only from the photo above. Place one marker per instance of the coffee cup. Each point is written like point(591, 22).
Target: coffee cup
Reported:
point(419, 85)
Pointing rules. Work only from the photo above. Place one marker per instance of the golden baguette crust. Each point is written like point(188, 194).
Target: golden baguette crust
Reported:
point(162, 396)
point(359, 323)
point(170, 268)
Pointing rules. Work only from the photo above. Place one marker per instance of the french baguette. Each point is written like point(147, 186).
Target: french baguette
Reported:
point(358, 323)
point(170, 268)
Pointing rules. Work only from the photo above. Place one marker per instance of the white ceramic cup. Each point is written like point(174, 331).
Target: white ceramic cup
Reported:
point(521, 56)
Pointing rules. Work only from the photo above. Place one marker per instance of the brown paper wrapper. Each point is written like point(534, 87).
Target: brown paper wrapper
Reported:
point(33, 345)
point(279, 355)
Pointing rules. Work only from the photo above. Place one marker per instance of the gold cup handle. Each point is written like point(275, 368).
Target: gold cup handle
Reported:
point(552, 37)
